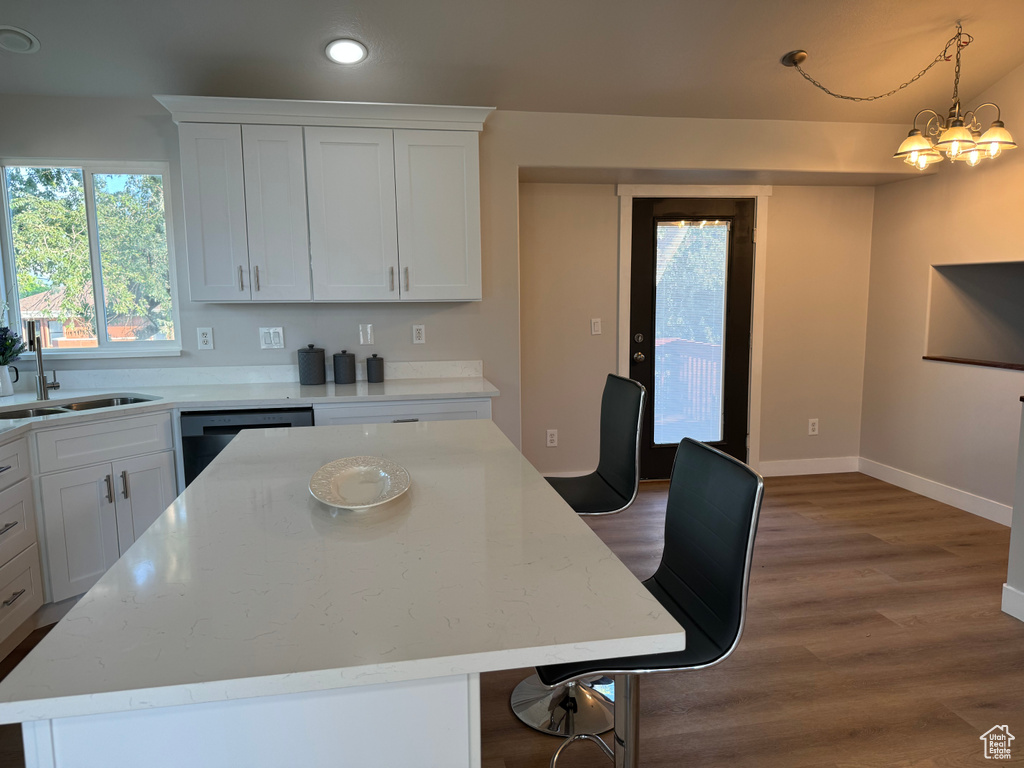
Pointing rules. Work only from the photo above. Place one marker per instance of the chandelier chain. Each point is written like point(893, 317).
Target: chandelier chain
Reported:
point(943, 55)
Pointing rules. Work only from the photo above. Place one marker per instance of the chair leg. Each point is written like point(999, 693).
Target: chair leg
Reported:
point(581, 737)
point(626, 738)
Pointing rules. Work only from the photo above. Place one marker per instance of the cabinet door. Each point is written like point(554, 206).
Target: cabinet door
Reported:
point(275, 211)
point(144, 489)
point(353, 232)
point(214, 192)
point(80, 528)
point(437, 180)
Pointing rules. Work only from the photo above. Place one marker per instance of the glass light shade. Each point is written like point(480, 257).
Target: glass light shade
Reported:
point(996, 139)
point(914, 144)
point(345, 51)
point(955, 139)
point(922, 160)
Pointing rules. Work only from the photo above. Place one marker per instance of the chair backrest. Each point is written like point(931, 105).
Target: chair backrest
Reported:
point(710, 524)
point(622, 411)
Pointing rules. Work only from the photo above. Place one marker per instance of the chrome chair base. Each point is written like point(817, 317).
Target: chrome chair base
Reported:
point(584, 706)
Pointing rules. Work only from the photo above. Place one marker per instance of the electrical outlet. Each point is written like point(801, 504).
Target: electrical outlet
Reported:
point(419, 334)
point(272, 338)
point(365, 333)
point(812, 426)
point(204, 336)
point(595, 326)
point(552, 438)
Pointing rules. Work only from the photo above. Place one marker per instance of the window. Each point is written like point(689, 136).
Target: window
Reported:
point(86, 254)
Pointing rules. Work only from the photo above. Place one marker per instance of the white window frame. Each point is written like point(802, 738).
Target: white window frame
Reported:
point(159, 348)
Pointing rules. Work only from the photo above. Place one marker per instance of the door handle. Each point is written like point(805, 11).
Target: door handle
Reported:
point(124, 483)
point(639, 357)
point(257, 278)
point(406, 269)
point(110, 488)
point(391, 270)
point(241, 286)
point(10, 601)
point(8, 527)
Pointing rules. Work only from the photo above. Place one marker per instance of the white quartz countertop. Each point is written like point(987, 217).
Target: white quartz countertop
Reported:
point(247, 586)
point(234, 395)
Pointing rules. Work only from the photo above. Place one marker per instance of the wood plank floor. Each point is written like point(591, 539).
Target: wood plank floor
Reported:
point(874, 638)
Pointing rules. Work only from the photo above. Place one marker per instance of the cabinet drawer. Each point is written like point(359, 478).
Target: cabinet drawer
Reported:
point(13, 462)
point(17, 520)
point(378, 413)
point(102, 441)
point(21, 590)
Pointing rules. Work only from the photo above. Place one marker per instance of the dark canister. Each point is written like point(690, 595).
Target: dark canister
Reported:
point(312, 368)
point(344, 367)
point(375, 369)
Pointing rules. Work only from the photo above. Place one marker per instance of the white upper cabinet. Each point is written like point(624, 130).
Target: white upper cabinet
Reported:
point(353, 230)
point(437, 181)
point(275, 205)
point(213, 186)
point(330, 201)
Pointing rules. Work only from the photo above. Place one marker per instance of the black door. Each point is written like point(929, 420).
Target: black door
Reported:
point(690, 306)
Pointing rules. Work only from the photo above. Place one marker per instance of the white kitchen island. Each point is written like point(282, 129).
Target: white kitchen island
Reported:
point(253, 626)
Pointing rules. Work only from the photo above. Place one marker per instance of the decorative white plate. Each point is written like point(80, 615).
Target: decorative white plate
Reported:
point(359, 482)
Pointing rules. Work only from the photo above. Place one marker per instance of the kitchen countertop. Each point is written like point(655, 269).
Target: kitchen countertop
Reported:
point(233, 395)
point(247, 586)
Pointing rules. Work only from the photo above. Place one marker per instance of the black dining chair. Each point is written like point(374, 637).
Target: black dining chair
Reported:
point(710, 525)
point(613, 485)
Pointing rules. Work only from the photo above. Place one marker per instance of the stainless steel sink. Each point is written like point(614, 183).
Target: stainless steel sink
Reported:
point(28, 413)
point(106, 402)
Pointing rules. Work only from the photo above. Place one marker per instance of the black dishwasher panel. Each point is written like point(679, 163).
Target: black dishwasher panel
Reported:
point(204, 434)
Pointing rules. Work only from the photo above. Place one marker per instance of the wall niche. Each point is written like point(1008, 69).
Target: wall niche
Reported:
point(976, 314)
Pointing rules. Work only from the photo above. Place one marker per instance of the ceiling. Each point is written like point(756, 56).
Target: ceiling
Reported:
point(684, 58)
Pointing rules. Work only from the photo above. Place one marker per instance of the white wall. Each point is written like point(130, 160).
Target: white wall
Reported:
point(954, 425)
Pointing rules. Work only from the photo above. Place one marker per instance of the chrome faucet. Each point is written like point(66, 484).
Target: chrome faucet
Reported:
point(35, 344)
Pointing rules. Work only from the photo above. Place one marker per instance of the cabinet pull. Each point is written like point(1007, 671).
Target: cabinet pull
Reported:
point(10, 600)
point(7, 527)
point(110, 488)
point(257, 278)
point(391, 270)
point(402, 421)
point(4, 469)
point(241, 287)
point(406, 278)
point(124, 483)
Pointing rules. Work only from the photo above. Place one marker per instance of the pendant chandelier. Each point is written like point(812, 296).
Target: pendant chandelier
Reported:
point(957, 135)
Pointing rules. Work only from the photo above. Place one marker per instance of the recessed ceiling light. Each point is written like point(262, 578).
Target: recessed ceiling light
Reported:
point(346, 51)
point(17, 40)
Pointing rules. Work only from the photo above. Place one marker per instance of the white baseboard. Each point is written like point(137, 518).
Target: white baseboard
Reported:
point(1013, 602)
point(809, 466)
point(969, 502)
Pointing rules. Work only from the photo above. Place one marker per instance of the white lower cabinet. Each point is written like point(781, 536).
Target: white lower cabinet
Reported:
point(91, 516)
point(398, 411)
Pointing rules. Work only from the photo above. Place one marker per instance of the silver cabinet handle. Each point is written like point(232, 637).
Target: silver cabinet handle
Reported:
point(124, 483)
point(4, 469)
point(10, 600)
point(110, 488)
point(639, 357)
point(402, 421)
point(391, 271)
point(257, 278)
point(8, 527)
point(406, 278)
point(241, 286)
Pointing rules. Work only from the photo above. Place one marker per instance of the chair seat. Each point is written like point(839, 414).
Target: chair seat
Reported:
point(700, 650)
point(588, 494)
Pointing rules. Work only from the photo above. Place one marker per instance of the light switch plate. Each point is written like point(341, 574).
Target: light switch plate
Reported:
point(204, 337)
point(419, 334)
point(272, 338)
point(595, 326)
